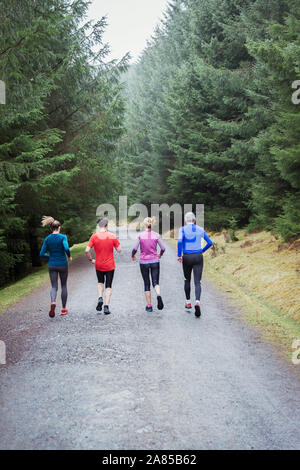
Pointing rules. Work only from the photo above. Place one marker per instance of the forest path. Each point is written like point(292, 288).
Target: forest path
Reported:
point(138, 380)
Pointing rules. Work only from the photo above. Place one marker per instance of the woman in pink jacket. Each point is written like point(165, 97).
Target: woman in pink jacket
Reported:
point(149, 261)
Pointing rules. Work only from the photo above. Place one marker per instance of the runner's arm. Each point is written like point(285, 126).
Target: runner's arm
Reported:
point(180, 242)
point(162, 247)
point(88, 249)
point(209, 243)
point(135, 248)
point(66, 247)
point(117, 245)
point(44, 248)
point(88, 253)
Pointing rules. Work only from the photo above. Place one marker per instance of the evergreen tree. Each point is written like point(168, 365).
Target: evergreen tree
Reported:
point(209, 113)
point(59, 127)
point(275, 188)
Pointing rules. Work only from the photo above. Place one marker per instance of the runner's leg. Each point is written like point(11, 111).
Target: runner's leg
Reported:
point(100, 289)
point(145, 271)
point(197, 269)
point(155, 270)
point(100, 277)
point(187, 271)
point(53, 273)
point(63, 274)
point(109, 276)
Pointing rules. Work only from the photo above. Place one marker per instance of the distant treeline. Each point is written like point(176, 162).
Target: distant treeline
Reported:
point(210, 117)
point(62, 118)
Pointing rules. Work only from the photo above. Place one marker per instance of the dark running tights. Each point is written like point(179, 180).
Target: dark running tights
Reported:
point(62, 271)
point(146, 270)
point(192, 262)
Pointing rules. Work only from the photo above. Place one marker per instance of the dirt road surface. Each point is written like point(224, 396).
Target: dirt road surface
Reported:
point(138, 380)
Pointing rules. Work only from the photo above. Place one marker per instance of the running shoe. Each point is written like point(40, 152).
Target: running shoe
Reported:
point(106, 310)
point(100, 303)
point(64, 311)
point(197, 310)
point(188, 306)
point(52, 310)
point(149, 308)
point(160, 304)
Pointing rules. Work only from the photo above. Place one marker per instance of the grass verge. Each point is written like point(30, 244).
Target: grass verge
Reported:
point(14, 292)
point(261, 276)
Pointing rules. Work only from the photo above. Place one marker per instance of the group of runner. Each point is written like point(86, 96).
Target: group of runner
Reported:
point(189, 252)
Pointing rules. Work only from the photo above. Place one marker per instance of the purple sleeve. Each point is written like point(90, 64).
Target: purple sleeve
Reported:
point(162, 246)
point(135, 248)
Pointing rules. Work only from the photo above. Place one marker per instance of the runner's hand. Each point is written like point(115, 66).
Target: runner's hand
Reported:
point(70, 259)
point(134, 258)
point(93, 261)
point(180, 259)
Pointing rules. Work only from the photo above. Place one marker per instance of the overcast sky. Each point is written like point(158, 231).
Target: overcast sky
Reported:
point(130, 23)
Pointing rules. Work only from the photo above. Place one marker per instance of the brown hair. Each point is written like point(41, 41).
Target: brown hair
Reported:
point(48, 220)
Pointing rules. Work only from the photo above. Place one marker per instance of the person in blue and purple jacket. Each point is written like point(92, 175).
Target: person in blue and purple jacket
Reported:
point(149, 261)
point(190, 254)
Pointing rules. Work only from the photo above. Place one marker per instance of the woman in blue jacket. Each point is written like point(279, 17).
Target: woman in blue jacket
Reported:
point(56, 249)
point(190, 244)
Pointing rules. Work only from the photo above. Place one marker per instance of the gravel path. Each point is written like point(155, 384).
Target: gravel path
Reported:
point(138, 380)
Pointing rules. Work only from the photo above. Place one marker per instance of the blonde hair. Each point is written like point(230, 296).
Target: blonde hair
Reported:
point(149, 222)
point(48, 220)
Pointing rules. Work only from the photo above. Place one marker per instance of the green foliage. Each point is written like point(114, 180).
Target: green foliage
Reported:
point(276, 185)
point(59, 128)
point(209, 113)
point(208, 118)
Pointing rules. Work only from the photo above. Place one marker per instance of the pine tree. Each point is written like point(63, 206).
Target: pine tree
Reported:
point(275, 188)
point(209, 113)
point(59, 127)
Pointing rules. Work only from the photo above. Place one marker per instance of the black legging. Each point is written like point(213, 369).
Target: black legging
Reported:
point(105, 276)
point(192, 262)
point(146, 269)
point(62, 271)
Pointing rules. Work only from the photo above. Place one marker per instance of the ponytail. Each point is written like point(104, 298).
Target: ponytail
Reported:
point(48, 220)
point(149, 222)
